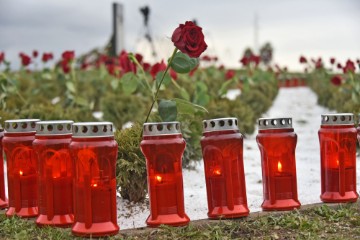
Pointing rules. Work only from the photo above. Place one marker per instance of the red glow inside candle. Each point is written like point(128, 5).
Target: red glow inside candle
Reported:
point(158, 178)
point(217, 171)
point(279, 166)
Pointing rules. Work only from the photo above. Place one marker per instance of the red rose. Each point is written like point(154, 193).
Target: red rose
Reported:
point(245, 61)
point(173, 74)
point(46, 57)
point(302, 59)
point(125, 63)
point(65, 66)
point(229, 74)
point(255, 59)
point(25, 59)
point(206, 58)
point(189, 39)
point(2, 57)
point(146, 66)
point(157, 67)
point(221, 67)
point(332, 61)
point(339, 66)
point(318, 64)
point(349, 66)
point(35, 54)
point(336, 80)
point(139, 57)
point(68, 55)
point(358, 61)
point(192, 72)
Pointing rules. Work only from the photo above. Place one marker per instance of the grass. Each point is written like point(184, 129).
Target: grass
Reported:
point(322, 222)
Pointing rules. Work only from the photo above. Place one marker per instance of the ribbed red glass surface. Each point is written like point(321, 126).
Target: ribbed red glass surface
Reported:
point(277, 147)
point(224, 174)
point(165, 182)
point(95, 209)
point(338, 163)
point(3, 199)
point(55, 176)
point(21, 173)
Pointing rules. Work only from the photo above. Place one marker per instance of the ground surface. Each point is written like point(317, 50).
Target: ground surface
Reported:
point(298, 103)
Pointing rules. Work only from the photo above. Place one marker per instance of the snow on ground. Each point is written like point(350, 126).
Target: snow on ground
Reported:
point(298, 103)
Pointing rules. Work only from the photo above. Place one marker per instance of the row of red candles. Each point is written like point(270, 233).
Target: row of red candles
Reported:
point(93, 176)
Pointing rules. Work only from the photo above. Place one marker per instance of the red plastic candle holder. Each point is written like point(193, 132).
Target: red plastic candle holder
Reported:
point(21, 167)
point(222, 149)
point(277, 142)
point(3, 200)
point(163, 147)
point(55, 173)
point(94, 152)
point(337, 136)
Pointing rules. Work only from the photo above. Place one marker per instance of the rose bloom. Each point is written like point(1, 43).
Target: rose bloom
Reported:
point(336, 80)
point(125, 63)
point(332, 60)
point(245, 61)
point(139, 57)
point(35, 54)
point(47, 57)
point(68, 55)
point(349, 66)
point(339, 66)
point(146, 66)
point(318, 63)
point(2, 57)
point(229, 74)
point(302, 59)
point(157, 67)
point(65, 66)
point(25, 59)
point(189, 39)
point(206, 58)
point(255, 59)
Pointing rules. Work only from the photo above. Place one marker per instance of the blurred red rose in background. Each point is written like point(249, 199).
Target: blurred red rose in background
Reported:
point(68, 55)
point(332, 60)
point(2, 57)
point(25, 59)
point(35, 54)
point(47, 57)
point(229, 74)
point(157, 67)
point(349, 66)
point(302, 59)
point(189, 39)
point(126, 64)
point(336, 80)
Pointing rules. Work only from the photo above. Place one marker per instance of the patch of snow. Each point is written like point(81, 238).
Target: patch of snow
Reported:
point(55, 100)
point(98, 115)
point(232, 94)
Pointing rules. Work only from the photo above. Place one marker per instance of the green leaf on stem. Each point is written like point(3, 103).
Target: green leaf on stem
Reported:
point(129, 82)
point(186, 107)
point(224, 87)
point(70, 86)
point(167, 110)
point(182, 63)
point(166, 81)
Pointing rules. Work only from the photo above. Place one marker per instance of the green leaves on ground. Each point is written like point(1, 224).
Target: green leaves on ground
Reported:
point(182, 63)
point(129, 82)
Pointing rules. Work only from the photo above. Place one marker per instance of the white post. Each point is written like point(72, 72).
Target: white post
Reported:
point(118, 28)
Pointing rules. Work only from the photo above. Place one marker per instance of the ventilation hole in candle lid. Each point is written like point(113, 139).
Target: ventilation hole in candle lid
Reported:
point(24, 125)
point(41, 128)
point(160, 127)
point(150, 128)
point(50, 128)
point(95, 129)
point(236, 122)
point(350, 118)
point(60, 127)
point(222, 123)
point(84, 129)
point(283, 122)
point(68, 127)
point(205, 125)
point(334, 118)
point(266, 122)
point(326, 118)
point(177, 126)
point(259, 122)
point(111, 128)
point(230, 122)
point(342, 118)
point(169, 127)
point(289, 121)
point(105, 129)
point(274, 122)
point(212, 124)
point(7, 125)
point(15, 125)
point(33, 125)
point(76, 129)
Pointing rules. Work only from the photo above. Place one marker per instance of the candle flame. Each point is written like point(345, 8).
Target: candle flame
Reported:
point(158, 178)
point(337, 162)
point(217, 171)
point(279, 166)
point(21, 172)
point(94, 185)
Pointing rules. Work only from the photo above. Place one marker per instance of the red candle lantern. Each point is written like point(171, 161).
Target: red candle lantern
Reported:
point(21, 167)
point(277, 142)
point(337, 137)
point(55, 173)
point(222, 148)
point(163, 147)
point(94, 152)
point(3, 200)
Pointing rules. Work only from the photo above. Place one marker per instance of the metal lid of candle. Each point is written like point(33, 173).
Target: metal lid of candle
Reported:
point(60, 127)
point(274, 123)
point(337, 119)
point(21, 125)
point(161, 128)
point(220, 124)
point(92, 129)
